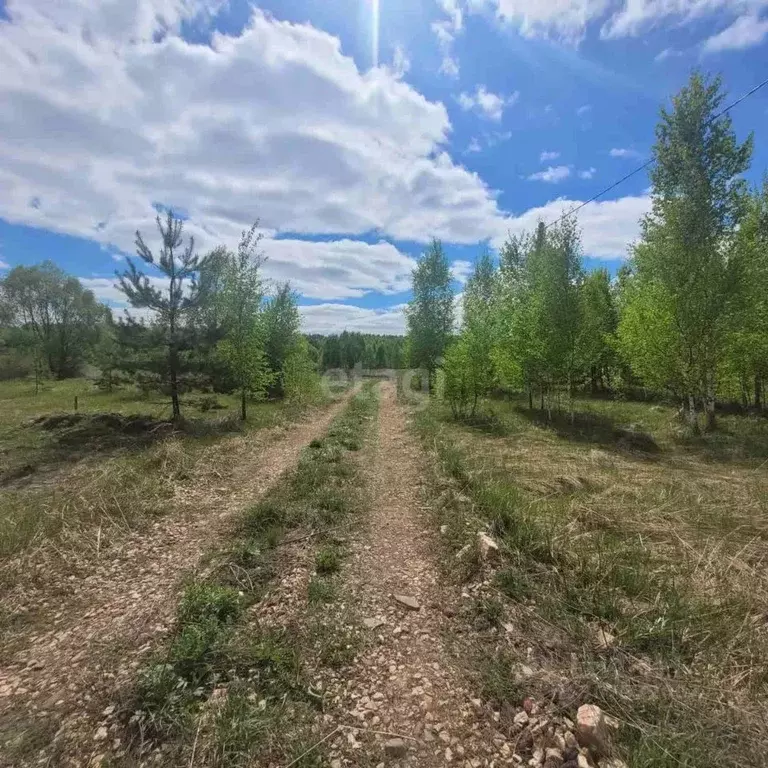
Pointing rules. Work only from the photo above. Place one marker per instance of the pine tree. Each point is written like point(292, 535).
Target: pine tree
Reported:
point(172, 303)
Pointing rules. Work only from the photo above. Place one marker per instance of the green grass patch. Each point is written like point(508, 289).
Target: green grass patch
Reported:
point(327, 560)
point(235, 679)
point(321, 590)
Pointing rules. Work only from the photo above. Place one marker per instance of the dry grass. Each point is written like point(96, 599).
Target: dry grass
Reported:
point(73, 480)
point(664, 551)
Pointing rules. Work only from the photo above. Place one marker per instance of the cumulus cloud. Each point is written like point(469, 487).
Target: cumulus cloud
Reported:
point(552, 175)
point(107, 111)
point(607, 227)
point(339, 269)
point(334, 318)
point(4, 265)
point(106, 115)
point(485, 103)
point(587, 173)
point(745, 32)
point(546, 156)
point(623, 152)
point(335, 269)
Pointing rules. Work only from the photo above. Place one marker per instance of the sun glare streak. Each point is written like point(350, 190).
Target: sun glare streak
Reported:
point(375, 31)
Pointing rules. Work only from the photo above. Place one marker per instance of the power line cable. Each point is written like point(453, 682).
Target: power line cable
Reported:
point(642, 167)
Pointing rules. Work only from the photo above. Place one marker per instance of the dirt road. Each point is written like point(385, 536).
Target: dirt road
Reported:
point(408, 681)
point(59, 676)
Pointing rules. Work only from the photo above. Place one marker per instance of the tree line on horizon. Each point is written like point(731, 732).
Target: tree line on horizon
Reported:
point(686, 317)
point(210, 325)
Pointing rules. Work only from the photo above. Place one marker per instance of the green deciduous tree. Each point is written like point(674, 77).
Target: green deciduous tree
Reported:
point(282, 333)
point(300, 379)
point(683, 258)
point(467, 367)
point(430, 313)
point(240, 297)
point(746, 354)
point(108, 356)
point(62, 315)
point(538, 299)
point(598, 323)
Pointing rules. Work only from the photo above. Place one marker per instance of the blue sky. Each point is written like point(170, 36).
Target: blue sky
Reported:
point(354, 130)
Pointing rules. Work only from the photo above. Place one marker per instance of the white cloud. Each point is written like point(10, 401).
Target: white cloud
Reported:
point(587, 173)
point(567, 20)
point(336, 269)
point(335, 318)
point(564, 20)
point(553, 174)
point(667, 53)
point(446, 30)
point(745, 32)
point(449, 67)
point(274, 123)
point(458, 311)
point(461, 270)
point(4, 265)
point(105, 289)
point(474, 145)
point(584, 109)
point(339, 269)
point(625, 153)
point(546, 156)
point(638, 16)
point(401, 63)
point(608, 227)
point(117, 22)
point(487, 104)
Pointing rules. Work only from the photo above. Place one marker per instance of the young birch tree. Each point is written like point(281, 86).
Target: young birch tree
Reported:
point(241, 294)
point(430, 312)
point(684, 255)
